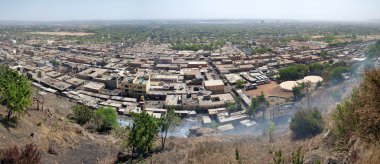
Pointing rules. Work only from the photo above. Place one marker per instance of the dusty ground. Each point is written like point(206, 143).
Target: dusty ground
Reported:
point(221, 149)
point(271, 89)
point(62, 33)
point(59, 140)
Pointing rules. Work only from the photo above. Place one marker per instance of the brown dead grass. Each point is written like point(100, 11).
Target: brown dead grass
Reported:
point(221, 149)
point(55, 133)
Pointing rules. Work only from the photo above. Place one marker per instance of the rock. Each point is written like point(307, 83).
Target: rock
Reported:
point(332, 160)
point(52, 149)
point(327, 134)
point(313, 158)
point(123, 156)
point(200, 131)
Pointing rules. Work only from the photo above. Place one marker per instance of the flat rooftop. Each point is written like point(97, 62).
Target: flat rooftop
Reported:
point(94, 85)
point(213, 83)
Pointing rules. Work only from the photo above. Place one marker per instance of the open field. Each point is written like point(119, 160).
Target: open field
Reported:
point(271, 89)
point(62, 33)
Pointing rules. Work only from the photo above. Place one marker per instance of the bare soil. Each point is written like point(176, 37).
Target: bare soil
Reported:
point(271, 89)
point(58, 138)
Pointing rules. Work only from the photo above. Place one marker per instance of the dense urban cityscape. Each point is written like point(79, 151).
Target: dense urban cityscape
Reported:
point(189, 91)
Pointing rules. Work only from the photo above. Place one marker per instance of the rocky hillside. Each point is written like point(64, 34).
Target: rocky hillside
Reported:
point(59, 140)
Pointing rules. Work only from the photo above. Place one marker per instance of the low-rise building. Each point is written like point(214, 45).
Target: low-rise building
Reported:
point(94, 87)
point(215, 86)
point(136, 87)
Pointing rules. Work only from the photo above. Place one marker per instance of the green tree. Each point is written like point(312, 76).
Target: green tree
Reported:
point(166, 123)
point(297, 157)
point(239, 84)
point(263, 103)
point(278, 157)
point(105, 119)
point(316, 68)
point(143, 133)
point(297, 93)
point(293, 72)
point(306, 123)
point(374, 50)
point(15, 91)
point(55, 62)
point(336, 74)
point(82, 114)
point(253, 107)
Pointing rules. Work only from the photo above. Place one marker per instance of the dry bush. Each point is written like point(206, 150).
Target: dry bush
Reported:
point(369, 106)
point(28, 155)
point(361, 113)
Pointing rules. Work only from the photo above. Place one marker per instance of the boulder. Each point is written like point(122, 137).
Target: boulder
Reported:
point(200, 131)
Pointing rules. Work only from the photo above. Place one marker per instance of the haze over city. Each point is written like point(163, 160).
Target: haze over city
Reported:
point(190, 81)
point(65, 10)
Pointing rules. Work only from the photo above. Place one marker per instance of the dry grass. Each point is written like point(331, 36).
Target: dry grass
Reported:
point(58, 139)
point(221, 149)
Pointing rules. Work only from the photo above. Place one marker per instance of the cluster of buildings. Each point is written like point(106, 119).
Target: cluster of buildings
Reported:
point(153, 77)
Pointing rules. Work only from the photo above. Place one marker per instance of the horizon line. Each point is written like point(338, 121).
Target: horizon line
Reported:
point(191, 19)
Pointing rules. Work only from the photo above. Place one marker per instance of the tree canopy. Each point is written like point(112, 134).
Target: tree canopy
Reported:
point(143, 133)
point(105, 119)
point(14, 91)
point(294, 72)
point(374, 50)
point(82, 114)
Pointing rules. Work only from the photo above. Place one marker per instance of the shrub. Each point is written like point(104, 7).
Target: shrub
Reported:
point(29, 155)
point(143, 133)
point(306, 123)
point(105, 119)
point(278, 157)
point(82, 114)
point(367, 106)
point(297, 157)
point(342, 115)
point(360, 114)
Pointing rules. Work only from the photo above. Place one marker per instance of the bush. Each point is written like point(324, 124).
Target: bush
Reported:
point(143, 134)
point(360, 114)
point(29, 154)
point(336, 74)
point(82, 114)
point(105, 119)
point(306, 123)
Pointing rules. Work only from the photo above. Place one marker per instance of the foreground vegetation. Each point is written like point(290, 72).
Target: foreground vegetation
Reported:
point(359, 115)
point(306, 123)
point(14, 92)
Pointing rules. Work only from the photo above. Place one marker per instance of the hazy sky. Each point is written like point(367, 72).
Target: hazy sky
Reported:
point(53, 10)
